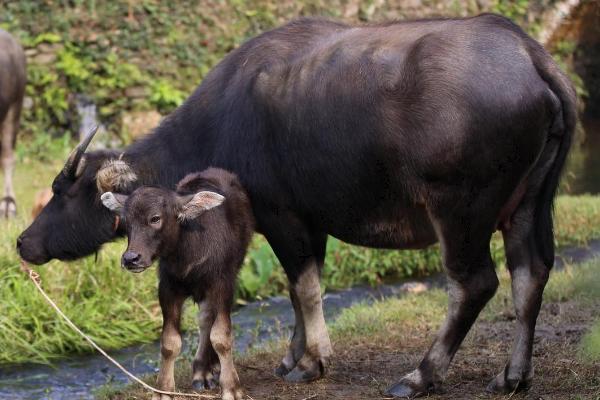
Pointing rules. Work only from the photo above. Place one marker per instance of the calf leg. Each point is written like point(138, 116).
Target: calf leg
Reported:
point(472, 282)
point(9, 127)
point(206, 362)
point(171, 304)
point(529, 276)
point(221, 338)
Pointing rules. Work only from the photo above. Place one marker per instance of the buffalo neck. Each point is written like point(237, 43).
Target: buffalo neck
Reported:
point(181, 144)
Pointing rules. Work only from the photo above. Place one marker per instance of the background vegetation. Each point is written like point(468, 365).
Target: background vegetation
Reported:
point(141, 55)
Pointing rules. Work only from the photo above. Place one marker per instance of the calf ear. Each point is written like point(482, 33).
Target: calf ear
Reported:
point(199, 203)
point(113, 202)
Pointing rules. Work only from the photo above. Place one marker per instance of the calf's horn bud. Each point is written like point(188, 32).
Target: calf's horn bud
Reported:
point(73, 161)
point(115, 176)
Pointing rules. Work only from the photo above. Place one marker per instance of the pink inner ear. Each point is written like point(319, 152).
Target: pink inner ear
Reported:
point(208, 200)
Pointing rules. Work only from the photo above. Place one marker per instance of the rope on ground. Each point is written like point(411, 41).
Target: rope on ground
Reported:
point(35, 277)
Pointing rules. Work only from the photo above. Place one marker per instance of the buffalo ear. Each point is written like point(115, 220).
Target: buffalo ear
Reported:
point(115, 175)
point(195, 205)
point(114, 202)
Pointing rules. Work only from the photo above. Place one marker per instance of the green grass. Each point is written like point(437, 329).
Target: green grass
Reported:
point(590, 345)
point(119, 309)
point(580, 283)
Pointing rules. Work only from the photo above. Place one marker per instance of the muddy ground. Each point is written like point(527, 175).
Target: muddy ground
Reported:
point(363, 368)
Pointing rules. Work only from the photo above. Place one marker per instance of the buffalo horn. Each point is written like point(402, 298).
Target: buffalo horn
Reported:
point(75, 156)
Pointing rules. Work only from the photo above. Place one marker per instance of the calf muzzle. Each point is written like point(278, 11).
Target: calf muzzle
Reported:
point(131, 261)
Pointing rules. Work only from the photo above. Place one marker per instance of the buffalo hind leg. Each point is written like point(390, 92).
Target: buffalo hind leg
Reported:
point(8, 129)
point(171, 304)
point(205, 367)
point(529, 276)
point(472, 282)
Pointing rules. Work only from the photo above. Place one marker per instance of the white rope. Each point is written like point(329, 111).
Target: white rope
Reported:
point(35, 277)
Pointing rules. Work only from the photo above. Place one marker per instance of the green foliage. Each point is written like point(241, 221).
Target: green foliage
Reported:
point(164, 96)
point(48, 115)
point(513, 9)
point(563, 52)
point(261, 275)
point(168, 47)
point(44, 148)
point(590, 344)
point(75, 68)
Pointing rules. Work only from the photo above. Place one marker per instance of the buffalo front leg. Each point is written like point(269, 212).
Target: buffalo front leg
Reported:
point(529, 276)
point(317, 346)
point(171, 304)
point(301, 254)
point(472, 281)
point(205, 367)
point(298, 342)
point(8, 128)
point(221, 338)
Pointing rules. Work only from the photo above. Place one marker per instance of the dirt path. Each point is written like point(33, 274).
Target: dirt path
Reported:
point(363, 370)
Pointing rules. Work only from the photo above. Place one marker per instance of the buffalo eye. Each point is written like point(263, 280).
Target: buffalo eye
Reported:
point(56, 189)
point(155, 220)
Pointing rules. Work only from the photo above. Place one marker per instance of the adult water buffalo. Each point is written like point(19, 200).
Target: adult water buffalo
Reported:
point(395, 135)
point(12, 90)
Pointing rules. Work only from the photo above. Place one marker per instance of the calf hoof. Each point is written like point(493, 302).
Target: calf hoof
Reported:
point(232, 394)
point(8, 207)
point(504, 384)
point(158, 396)
point(208, 383)
point(308, 369)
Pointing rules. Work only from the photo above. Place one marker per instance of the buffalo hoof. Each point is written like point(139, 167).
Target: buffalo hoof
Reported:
point(282, 370)
point(404, 389)
point(8, 207)
point(503, 384)
point(307, 370)
point(414, 384)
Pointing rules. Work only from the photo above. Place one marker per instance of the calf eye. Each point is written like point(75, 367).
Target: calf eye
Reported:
point(155, 220)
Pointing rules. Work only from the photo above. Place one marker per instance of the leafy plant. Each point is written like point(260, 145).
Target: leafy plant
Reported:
point(164, 96)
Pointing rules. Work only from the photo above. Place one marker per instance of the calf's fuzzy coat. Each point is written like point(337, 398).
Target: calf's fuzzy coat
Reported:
point(200, 233)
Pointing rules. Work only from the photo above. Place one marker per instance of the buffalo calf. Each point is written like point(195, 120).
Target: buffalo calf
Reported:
point(200, 235)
